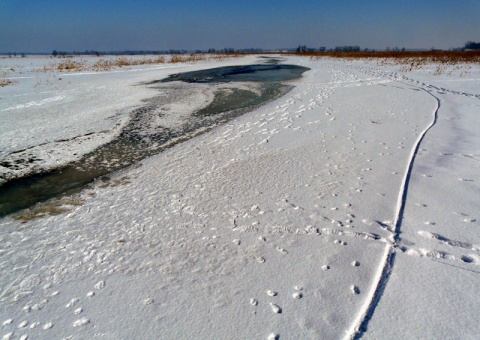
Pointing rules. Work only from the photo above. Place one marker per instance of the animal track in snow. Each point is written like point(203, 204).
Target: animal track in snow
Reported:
point(261, 259)
point(297, 295)
point(353, 234)
point(275, 308)
point(445, 240)
point(48, 325)
point(438, 255)
point(148, 301)
point(22, 324)
point(72, 303)
point(100, 285)
point(81, 322)
point(34, 325)
point(30, 282)
point(466, 259)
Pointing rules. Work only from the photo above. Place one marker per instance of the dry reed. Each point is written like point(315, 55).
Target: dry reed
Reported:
point(120, 62)
point(6, 81)
point(408, 60)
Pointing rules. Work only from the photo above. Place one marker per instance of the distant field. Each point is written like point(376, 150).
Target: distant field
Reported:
point(408, 60)
point(443, 57)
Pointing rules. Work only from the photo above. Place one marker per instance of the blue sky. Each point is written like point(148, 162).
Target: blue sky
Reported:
point(44, 25)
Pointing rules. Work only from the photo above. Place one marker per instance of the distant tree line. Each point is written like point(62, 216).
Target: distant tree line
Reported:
point(232, 50)
point(343, 49)
point(14, 54)
point(56, 53)
point(355, 48)
point(472, 46)
point(304, 49)
point(395, 49)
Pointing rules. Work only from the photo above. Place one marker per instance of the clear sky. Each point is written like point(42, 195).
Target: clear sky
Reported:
point(67, 25)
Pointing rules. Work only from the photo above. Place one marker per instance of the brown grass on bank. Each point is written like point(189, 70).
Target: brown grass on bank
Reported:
point(187, 58)
point(65, 66)
point(108, 64)
point(70, 65)
point(6, 81)
point(408, 60)
point(119, 62)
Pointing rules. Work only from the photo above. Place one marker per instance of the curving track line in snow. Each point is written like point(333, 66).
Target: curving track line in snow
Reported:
point(360, 325)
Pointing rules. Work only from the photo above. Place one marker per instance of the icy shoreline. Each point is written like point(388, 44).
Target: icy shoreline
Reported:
point(274, 224)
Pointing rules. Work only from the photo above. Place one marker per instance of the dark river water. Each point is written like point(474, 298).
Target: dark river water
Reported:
point(139, 140)
point(247, 73)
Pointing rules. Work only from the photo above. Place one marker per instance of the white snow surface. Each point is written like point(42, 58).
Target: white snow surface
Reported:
point(279, 224)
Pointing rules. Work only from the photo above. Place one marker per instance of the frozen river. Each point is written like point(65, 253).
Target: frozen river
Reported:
point(230, 91)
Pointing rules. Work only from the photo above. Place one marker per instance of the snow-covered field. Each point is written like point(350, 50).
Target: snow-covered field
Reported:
point(347, 208)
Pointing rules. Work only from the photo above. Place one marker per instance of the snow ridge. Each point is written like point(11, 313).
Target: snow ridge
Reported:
point(361, 323)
